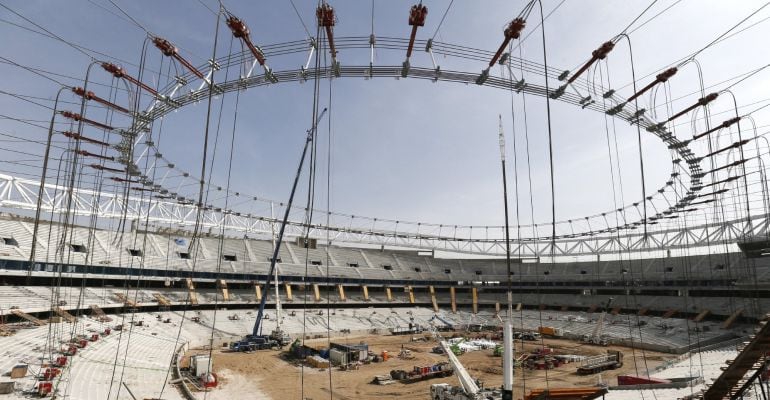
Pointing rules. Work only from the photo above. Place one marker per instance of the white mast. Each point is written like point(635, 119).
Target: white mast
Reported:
point(508, 324)
point(277, 297)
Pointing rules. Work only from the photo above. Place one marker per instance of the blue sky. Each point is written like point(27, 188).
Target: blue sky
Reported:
point(401, 149)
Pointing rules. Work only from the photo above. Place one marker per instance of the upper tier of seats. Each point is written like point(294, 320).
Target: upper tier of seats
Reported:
point(167, 251)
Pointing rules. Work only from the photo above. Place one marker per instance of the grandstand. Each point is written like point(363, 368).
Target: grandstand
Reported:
point(720, 284)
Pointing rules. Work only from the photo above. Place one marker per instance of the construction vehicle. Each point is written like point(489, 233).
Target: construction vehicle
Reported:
point(576, 393)
point(528, 336)
point(418, 374)
point(405, 354)
point(407, 330)
point(550, 331)
point(253, 343)
point(447, 325)
point(591, 365)
point(597, 336)
point(281, 337)
point(272, 271)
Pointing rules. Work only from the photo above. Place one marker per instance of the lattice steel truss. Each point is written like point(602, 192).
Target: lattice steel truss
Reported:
point(22, 194)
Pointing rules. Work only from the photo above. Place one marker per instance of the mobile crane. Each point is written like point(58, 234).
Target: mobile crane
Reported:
point(597, 336)
point(256, 337)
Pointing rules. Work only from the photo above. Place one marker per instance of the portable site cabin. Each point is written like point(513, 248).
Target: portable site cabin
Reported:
point(343, 353)
point(200, 364)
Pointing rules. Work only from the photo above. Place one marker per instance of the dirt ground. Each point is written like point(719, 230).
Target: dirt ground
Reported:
point(270, 376)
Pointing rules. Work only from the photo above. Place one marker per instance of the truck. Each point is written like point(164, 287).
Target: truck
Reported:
point(550, 331)
point(253, 343)
point(281, 337)
point(439, 370)
point(591, 365)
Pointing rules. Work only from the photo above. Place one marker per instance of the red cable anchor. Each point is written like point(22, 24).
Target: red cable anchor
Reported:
point(77, 136)
point(725, 124)
point(117, 179)
point(513, 31)
point(89, 154)
point(660, 78)
point(701, 102)
point(103, 168)
point(91, 96)
point(121, 73)
point(416, 19)
point(169, 50)
point(241, 31)
point(598, 54)
point(326, 19)
point(78, 117)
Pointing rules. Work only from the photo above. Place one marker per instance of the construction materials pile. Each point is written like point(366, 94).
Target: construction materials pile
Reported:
point(317, 361)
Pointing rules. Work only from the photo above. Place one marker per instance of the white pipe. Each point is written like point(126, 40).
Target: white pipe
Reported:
point(507, 355)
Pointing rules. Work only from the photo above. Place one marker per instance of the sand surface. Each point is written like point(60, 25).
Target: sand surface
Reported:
point(269, 375)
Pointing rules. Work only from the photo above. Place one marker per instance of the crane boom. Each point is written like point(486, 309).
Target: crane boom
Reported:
point(466, 381)
point(599, 328)
point(258, 324)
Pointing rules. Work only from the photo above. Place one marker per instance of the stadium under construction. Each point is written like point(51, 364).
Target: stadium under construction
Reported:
point(574, 206)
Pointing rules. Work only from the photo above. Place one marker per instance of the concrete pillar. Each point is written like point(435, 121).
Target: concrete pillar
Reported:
point(288, 292)
point(316, 292)
point(475, 294)
point(411, 294)
point(341, 291)
point(433, 298)
point(223, 287)
point(731, 319)
point(701, 315)
point(191, 290)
